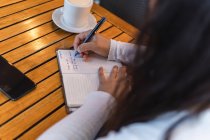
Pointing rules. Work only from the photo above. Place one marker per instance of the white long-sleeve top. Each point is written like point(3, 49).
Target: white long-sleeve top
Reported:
point(85, 123)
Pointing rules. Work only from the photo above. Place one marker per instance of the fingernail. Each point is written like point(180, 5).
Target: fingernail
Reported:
point(100, 68)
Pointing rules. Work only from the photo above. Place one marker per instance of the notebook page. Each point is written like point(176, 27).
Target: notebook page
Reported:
point(77, 87)
point(79, 77)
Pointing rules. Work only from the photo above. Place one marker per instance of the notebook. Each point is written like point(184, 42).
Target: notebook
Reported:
point(79, 78)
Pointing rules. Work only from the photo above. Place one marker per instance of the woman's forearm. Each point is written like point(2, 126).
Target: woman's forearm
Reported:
point(84, 123)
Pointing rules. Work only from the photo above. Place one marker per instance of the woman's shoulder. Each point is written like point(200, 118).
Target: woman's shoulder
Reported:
point(196, 128)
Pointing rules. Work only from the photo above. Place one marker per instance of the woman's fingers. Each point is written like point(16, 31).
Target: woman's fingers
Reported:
point(118, 73)
point(85, 57)
point(101, 75)
point(116, 83)
point(122, 72)
point(114, 72)
point(85, 47)
point(79, 39)
point(123, 83)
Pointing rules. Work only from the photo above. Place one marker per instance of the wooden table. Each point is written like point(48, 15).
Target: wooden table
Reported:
point(28, 40)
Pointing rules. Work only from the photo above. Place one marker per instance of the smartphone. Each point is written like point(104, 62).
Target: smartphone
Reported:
point(13, 83)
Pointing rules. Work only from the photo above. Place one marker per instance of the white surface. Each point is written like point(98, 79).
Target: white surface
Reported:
point(79, 77)
point(57, 18)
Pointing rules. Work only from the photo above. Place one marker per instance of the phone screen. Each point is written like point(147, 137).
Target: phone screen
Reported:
point(13, 83)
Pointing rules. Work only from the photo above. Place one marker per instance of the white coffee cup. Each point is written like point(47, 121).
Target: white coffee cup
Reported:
point(76, 12)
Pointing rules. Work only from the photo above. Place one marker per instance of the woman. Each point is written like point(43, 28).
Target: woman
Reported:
point(169, 96)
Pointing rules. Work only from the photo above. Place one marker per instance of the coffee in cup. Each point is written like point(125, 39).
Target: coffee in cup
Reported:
point(76, 12)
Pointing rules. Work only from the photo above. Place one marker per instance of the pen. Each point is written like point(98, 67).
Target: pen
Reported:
point(92, 33)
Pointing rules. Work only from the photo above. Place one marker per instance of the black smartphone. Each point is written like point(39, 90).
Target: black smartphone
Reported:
point(13, 83)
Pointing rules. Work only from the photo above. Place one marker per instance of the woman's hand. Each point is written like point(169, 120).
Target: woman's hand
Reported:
point(98, 44)
point(116, 83)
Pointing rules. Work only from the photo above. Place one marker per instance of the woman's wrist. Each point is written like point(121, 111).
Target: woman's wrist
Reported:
point(112, 50)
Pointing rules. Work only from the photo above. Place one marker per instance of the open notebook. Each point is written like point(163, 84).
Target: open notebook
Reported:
point(80, 78)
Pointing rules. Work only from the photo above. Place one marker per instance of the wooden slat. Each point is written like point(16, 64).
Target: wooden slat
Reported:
point(11, 108)
point(104, 26)
point(8, 2)
point(25, 26)
point(3, 98)
point(23, 15)
point(133, 41)
point(22, 122)
point(20, 6)
point(118, 22)
point(124, 38)
point(43, 71)
point(111, 33)
point(30, 35)
point(40, 57)
point(35, 45)
point(44, 125)
point(40, 44)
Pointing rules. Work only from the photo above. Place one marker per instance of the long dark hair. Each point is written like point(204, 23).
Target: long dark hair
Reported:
point(173, 74)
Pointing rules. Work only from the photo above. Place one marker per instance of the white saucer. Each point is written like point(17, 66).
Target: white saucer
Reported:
point(57, 18)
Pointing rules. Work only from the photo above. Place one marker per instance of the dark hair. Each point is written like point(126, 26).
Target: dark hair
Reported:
point(173, 74)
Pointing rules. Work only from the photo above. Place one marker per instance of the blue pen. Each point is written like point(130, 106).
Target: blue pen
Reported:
point(92, 33)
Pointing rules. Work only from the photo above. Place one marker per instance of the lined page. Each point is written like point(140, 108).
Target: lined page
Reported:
point(79, 77)
point(77, 87)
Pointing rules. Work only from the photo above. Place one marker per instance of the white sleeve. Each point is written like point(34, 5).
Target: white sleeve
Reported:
point(197, 128)
point(123, 134)
point(84, 123)
point(121, 51)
